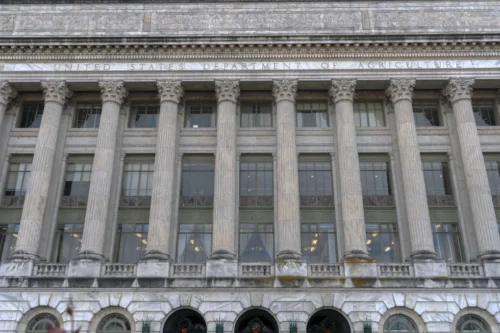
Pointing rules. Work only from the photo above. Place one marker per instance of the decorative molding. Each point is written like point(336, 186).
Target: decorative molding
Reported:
point(458, 89)
point(285, 90)
point(7, 93)
point(56, 91)
point(342, 89)
point(400, 89)
point(227, 90)
point(113, 91)
point(170, 91)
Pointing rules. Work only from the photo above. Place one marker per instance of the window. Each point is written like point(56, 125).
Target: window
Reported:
point(447, 241)
point(31, 115)
point(42, 323)
point(426, 114)
point(369, 114)
point(256, 183)
point(144, 116)
point(200, 115)
point(8, 239)
point(137, 184)
point(88, 115)
point(67, 242)
point(315, 183)
point(382, 241)
point(399, 323)
point(132, 241)
point(312, 115)
point(437, 183)
point(77, 184)
point(256, 115)
point(197, 182)
point(195, 243)
point(256, 242)
point(493, 172)
point(319, 243)
point(115, 323)
point(18, 179)
point(484, 113)
point(472, 324)
point(375, 183)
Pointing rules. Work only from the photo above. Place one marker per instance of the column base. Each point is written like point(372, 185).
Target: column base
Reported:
point(430, 268)
point(84, 268)
point(423, 255)
point(153, 268)
point(290, 268)
point(24, 256)
point(17, 268)
point(222, 268)
point(489, 256)
point(491, 268)
point(357, 255)
point(157, 255)
point(90, 255)
point(360, 268)
point(222, 255)
point(289, 255)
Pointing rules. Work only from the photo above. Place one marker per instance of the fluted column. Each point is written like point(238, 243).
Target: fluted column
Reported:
point(224, 224)
point(459, 93)
point(113, 93)
point(56, 94)
point(400, 92)
point(7, 94)
point(160, 216)
point(287, 174)
point(351, 198)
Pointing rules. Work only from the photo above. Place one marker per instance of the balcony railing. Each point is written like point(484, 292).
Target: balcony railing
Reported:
point(257, 200)
point(256, 270)
point(50, 270)
point(188, 270)
point(378, 200)
point(14, 200)
point(118, 270)
point(74, 201)
point(135, 201)
point(465, 270)
point(395, 270)
point(316, 201)
point(440, 200)
point(325, 270)
point(196, 201)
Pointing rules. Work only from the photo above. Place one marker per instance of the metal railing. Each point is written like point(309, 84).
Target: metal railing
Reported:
point(74, 201)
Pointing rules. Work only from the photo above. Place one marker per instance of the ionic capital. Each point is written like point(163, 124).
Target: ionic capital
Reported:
point(458, 89)
point(400, 89)
point(227, 90)
point(113, 91)
point(342, 89)
point(7, 93)
point(285, 90)
point(56, 91)
point(170, 91)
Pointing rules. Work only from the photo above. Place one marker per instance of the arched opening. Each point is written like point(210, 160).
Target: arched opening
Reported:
point(41, 323)
point(114, 322)
point(471, 323)
point(185, 321)
point(399, 323)
point(256, 321)
point(328, 321)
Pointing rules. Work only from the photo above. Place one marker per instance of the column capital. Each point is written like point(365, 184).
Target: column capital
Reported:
point(56, 91)
point(399, 89)
point(285, 90)
point(113, 91)
point(7, 93)
point(458, 89)
point(227, 90)
point(342, 89)
point(170, 91)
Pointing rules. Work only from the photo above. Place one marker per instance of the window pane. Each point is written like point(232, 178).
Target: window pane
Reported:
point(67, 242)
point(315, 183)
point(200, 115)
point(319, 243)
point(312, 115)
point(88, 115)
point(132, 240)
point(369, 114)
point(382, 242)
point(483, 113)
point(256, 243)
point(447, 241)
point(8, 238)
point(256, 115)
point(146, 115)
point(197, 183)
point(31, 115)
point(194, 243)
point(426, 114)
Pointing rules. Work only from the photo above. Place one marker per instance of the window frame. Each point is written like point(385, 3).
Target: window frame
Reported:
point(370, 168)
point(92, 109)
point(333, 257)
point(427, 104)
point(42, 317)
point(399, 318)
point(38, 114)
point(436, 198)
point(357, 114)
point(8, 239)
point(140, 230)
point(198, 199)
point(484, 103)
point(86, 172)
point(19, 194)
point(312, 111)
point(262, 168)
point(136, 179)
point(255, 113)
point(260, 228)
point(134, 112)
point(456, 238)
point(188, 124)
point(58, 242)
point(316, 198)
point(200, 228)
point(394, 234)
point(113, 317)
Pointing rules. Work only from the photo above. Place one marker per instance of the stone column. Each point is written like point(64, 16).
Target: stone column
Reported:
point(113, 93)
point(287, 174)
point(351, 198)
point(459, 93)
point(7, 94)
point(160, 216)
point(56, 94)
point(224, 224)
point(400, 93)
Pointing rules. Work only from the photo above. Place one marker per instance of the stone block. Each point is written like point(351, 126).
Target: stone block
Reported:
point(360, 269)
point(491, 269)
point(84, 268)
point(291, 268)
point(153, 269)
point(431, 268)
point(16, 268)
point(222, 268)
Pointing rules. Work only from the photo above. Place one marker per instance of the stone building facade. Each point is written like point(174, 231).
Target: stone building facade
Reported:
point(241, 166)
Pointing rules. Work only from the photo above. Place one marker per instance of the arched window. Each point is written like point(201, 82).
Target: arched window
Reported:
point(399, 323)
point(41, 323)
point(114, 323)
point(472, 324)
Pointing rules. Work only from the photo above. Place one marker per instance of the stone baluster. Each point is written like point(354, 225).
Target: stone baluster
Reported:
point(459, 93)
point(400, 93)
point(56, 95)
point(224, 223)
point(284, 92)
point(163, 194)
point(7, 94)
point(351, 198)
point(113, 93)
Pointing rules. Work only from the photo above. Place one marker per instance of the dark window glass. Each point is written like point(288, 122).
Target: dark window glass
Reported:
point(195, 243)
point(197, 187)
point(132, 242)
point(319, 244)
point(77, 184)
point(256, 242)
point(382, 241)
point(472, 324)
point(315, 183)
point(256, 115)
point(438, 183)
point(447, 241)
point(18, 179)
point(42, 323)
point(67, 242)
point(8, 239)
point(399, 324)
point(256, 184)
point(484, 113)
point(426, 114)
point(137, 184)
point(146, 115)
point(312, 115)
point(88, 116)
point(115, 323)
point(493, 172)
point(31, 115)
point(375, 183)
point(200, 115)
point(369, 114)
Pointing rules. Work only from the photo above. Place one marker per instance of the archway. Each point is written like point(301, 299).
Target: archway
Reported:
point(185, 321)
point(328, 321)
point(256, 320)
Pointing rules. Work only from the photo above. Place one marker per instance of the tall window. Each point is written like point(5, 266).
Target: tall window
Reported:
point(447, 241)
point(77, 184)
point(88, 115)
point(137, 183)
point(200, 114)
point(31, 115)
point(315, 182)
point(437, 183)
point(67, 242)
point(256, 115)
point(382, 241)
point(256, 242)
point(399, 324)
point(493, 172)
point(18, 180)
point(319, 243)
point(471, 323)
point(256, 183)
point(312, 114)
point(115, 323)
point(484, 113)
point(197, 182)
point(375, 183)
point(426, 114)
point(8, 239)
point(194, 242)
point(369, 114)
point(42, 323)
point(144, 115)
point(132, 242)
